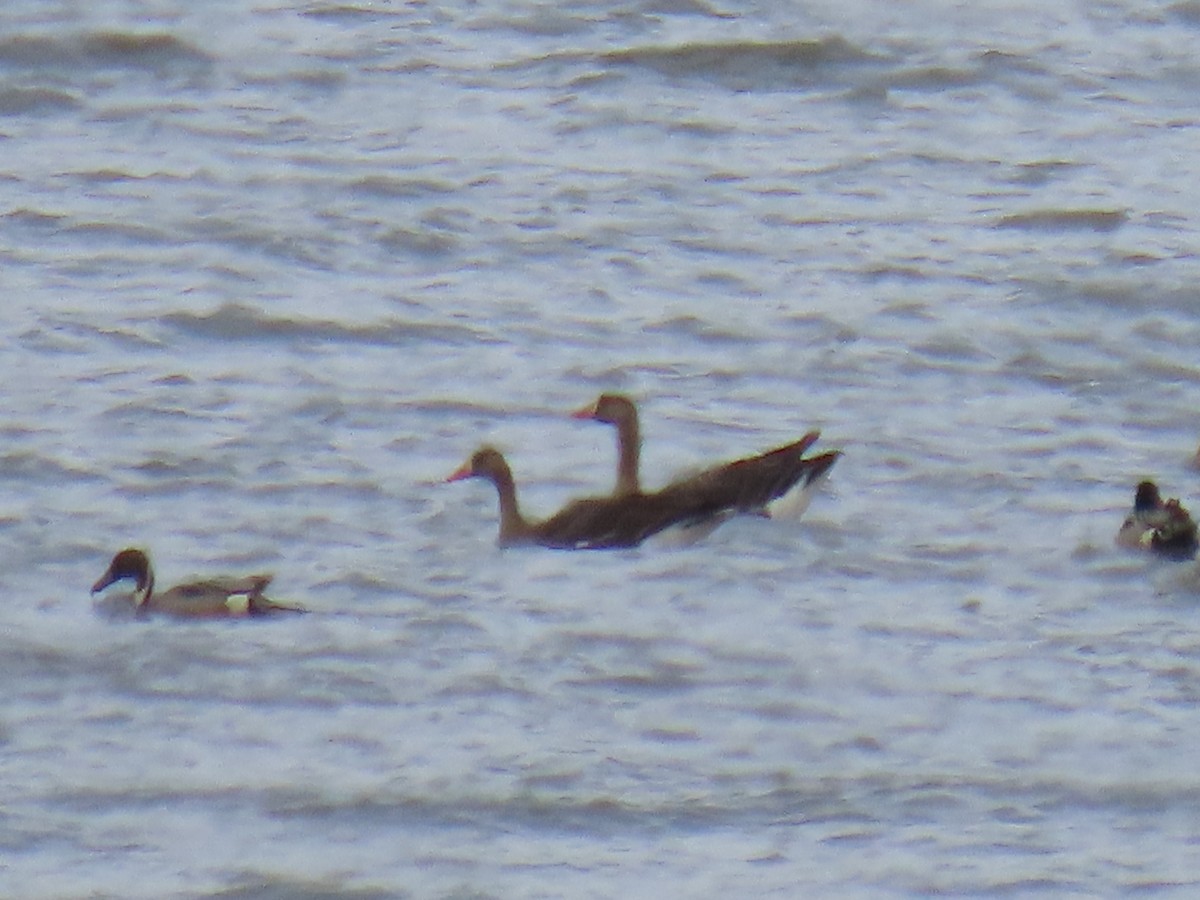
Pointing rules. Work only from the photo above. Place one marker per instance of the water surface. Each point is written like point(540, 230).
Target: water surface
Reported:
point(272, 273)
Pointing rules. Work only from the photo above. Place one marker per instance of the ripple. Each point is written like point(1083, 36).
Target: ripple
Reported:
point(1065, 220)
point(102, 50)
point(747, 65)
point(23, 101)
point(238, 322)
point(28, 466)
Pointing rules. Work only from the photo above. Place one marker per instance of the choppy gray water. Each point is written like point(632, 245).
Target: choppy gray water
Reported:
point(271, 271)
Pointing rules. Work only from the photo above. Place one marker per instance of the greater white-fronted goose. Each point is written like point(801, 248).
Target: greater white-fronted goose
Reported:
point(1165, 528)
point(207, 599)
point(594, 523)
point(779, 483)
point(618, 410)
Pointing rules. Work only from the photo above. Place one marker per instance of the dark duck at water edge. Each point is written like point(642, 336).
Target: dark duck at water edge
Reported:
point(594, 523)
point(219, 597)
point(779, 483)
point(1163, 527)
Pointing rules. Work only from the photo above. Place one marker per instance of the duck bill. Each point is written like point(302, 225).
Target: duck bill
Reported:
point(460, 474)
point(588, 412)
point(105, 580)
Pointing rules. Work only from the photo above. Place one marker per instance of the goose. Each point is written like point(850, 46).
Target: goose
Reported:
point(779, 483)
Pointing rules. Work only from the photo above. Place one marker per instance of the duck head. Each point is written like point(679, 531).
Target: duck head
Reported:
point(129, 563)
point(1147, 500)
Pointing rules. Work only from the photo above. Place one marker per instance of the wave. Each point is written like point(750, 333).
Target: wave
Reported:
point(102, 50)
point(239, 322)
point(747, 64)
point(1188, 11)
point(1065, 220)
point(15, 101)
point(868, 73)
point(36, 468)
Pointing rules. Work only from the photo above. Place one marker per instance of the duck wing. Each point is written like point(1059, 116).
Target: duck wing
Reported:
point(748, 485)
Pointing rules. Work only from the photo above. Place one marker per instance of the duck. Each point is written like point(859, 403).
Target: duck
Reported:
point(220, 597)
point(591, 523)
point(777, 484)
point(1163, 527)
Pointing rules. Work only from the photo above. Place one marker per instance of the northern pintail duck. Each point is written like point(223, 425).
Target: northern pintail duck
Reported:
point(210, 598)
point(1163, 527)
point(594, 523)
point(780, 482)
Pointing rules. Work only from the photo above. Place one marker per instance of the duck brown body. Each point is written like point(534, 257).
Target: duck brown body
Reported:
point(1163, 527)
point(748, 485)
